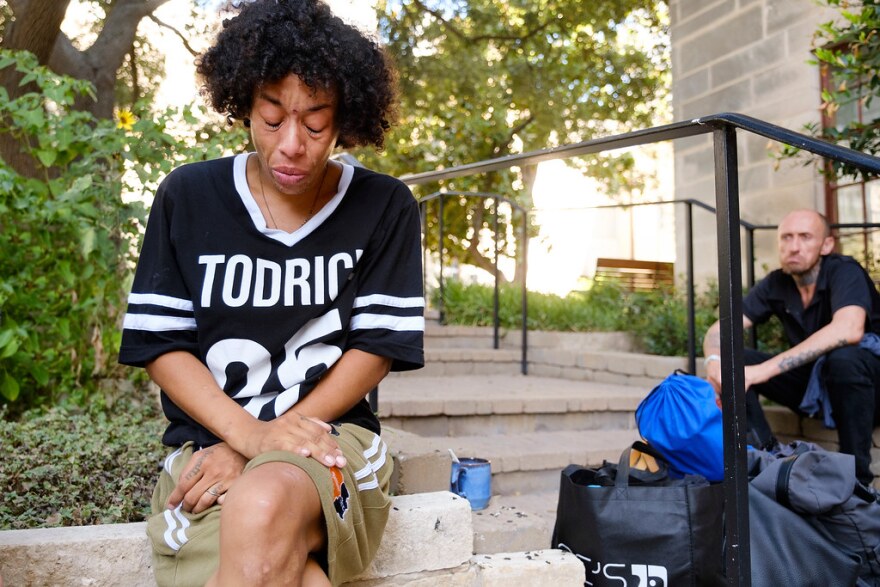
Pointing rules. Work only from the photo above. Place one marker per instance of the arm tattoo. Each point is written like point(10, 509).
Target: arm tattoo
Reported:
point(789, 363)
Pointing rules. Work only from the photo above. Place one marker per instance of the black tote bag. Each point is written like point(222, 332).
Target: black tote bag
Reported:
point(663, 532)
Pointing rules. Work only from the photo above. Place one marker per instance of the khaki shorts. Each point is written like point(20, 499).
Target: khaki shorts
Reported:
point(186, 547)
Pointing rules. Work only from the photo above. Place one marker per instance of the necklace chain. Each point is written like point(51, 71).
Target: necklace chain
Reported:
point(314, 199)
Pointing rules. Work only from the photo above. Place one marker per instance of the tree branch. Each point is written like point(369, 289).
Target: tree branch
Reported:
point(180, 35)
point(108, 52)
point(503, 147)
point(69, 60)
point(478, 38)
point(18, 6)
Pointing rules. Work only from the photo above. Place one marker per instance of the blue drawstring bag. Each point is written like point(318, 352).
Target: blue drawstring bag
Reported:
point(681, 420)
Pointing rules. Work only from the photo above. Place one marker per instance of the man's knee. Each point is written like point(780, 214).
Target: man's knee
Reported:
point(848, 365)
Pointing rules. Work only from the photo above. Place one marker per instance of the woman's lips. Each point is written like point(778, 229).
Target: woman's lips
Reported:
point(289, 177)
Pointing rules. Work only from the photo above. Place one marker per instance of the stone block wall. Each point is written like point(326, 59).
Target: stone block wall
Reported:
point(749, 57)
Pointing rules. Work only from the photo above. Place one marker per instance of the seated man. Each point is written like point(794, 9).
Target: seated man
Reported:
point(829, 308)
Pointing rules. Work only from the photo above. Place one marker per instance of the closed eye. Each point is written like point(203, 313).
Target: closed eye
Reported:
point(273, 125)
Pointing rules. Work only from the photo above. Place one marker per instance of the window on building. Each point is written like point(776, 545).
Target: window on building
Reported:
point(849, 201)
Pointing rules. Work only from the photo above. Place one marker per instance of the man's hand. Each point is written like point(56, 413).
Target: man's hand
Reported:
point(753, 375)
point(206, 478)
point(713, 375)
point(298, 434)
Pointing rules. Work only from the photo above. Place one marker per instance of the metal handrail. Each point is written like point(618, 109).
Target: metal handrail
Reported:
point(441, 196)
point(723, 128)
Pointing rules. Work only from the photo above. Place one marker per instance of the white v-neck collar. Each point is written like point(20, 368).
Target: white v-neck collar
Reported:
point(282, 236)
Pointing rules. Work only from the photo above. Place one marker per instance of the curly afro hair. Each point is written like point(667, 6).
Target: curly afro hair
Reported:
point(271, 39)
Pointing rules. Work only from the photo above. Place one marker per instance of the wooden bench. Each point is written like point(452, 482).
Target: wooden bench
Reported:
point(635, 275)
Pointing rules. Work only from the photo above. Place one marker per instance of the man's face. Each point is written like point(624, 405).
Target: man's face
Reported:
point(293, 129)
point(802, 241)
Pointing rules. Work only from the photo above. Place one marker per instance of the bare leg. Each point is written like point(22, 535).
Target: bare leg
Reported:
point(270, 523)
point(314, 575)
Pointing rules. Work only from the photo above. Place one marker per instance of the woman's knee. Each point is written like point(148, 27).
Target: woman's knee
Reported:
point(272, 492)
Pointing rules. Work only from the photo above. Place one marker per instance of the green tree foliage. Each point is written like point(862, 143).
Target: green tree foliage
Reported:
point(848, 50)
point(110, 51)
point(851, 51)
point(487, 78)
point(68, 236)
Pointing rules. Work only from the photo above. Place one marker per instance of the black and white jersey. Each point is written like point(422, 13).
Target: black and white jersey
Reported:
point(268, 311)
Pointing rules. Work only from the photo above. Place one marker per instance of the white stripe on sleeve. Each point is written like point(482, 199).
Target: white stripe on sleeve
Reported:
point(398, 323)
point(153, 323)
point(160, 300)
point(391, 301)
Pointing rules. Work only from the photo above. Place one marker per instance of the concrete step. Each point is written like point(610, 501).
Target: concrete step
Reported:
point(483, 337)
point(515, 523)
point(467, 361)
point(468, 405)
point(427, 542)
point(529, 427)
point(625, 368)
point(532, 462)
point(521, 463)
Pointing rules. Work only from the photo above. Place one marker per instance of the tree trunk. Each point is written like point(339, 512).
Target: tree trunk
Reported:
point(37, 28)
point(108, 52)
point(529, 175)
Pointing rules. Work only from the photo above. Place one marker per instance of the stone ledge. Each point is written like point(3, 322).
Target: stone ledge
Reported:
point(537, 568)
point(116, 554)
point(426, 533)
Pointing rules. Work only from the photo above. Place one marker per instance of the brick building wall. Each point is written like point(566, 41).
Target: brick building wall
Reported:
point(750, 57)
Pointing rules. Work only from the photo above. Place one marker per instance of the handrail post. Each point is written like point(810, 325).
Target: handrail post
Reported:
point(495, 305)
point(736, 504)
point(691, 298)
point(524, 366)
point(750, 278)
point(442, 312)
point(423, 220)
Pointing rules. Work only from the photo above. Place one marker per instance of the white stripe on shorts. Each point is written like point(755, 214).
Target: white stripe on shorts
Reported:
point(173, 519)
point(169, 460)
point(368, 472)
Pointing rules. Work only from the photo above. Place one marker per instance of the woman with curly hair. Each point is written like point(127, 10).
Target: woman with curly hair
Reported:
point(274, 290)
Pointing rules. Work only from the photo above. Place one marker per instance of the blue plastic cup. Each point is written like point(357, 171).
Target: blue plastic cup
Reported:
point(472, 480)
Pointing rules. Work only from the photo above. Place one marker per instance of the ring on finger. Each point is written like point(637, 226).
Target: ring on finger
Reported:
point(213, 491)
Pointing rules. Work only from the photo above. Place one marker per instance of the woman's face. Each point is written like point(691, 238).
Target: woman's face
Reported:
point(293, 129)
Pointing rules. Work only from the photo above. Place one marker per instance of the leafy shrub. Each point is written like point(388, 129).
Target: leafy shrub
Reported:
point(68, 237)
point(65, 467)
point(471, 305)
point(658, 319)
